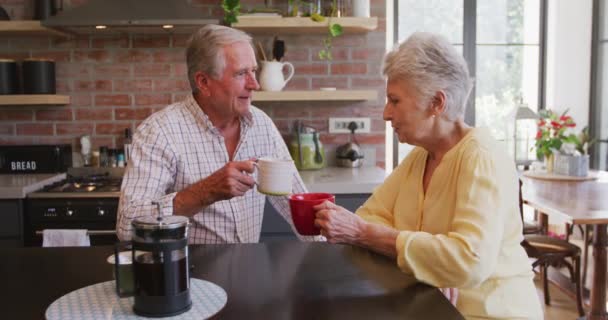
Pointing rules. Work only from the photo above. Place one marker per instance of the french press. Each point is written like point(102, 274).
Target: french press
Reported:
point(160, 266)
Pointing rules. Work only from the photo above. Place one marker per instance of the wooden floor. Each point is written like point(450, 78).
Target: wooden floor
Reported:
point(561, 308)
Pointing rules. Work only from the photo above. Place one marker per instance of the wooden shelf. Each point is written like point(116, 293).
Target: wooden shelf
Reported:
point(304, 25)
point(315, 95)
point(28, 28)
point(33, 99)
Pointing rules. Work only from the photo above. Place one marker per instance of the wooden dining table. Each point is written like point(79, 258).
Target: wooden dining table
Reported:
point(583, 202)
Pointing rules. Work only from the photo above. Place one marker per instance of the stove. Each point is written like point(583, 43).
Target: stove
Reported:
point(87, 199)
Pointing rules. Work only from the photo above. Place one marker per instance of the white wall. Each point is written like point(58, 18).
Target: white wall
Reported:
point(569, 57)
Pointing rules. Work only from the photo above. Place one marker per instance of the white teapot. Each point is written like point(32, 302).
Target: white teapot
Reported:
point(271, 76)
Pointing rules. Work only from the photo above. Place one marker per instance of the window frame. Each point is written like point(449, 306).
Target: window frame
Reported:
point(470, 54)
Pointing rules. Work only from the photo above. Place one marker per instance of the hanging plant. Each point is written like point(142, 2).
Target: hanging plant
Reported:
point(232, 8)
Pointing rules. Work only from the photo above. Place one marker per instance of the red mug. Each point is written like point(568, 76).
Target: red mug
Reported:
point(302, 212)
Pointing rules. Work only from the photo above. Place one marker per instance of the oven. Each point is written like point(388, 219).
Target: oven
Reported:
point(87, 199)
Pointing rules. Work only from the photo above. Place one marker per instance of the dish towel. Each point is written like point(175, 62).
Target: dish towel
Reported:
point(65, 238)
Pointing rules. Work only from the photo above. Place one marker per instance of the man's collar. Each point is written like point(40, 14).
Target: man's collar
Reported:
point(197, 111)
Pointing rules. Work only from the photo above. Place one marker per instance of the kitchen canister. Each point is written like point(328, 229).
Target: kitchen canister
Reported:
point(38, 76)
point(9, 83)
point(361, 8)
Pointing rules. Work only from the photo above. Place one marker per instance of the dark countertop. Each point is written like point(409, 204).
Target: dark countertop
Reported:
point(278, 280)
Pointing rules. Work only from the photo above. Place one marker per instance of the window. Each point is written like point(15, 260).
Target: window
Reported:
point(599, 94)
point(505, 36)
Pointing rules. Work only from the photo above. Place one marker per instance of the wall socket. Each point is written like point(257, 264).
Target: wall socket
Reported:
point(340, 125)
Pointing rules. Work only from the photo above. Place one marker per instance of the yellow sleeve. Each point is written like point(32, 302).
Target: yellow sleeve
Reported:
point(379, 207)
point(468, 253)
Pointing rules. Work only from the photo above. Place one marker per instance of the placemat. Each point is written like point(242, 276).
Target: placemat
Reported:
point(99, 301)
point(551, 176)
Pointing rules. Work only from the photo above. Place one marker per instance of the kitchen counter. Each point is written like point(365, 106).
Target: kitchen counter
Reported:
point(17, 186)
point(343, 180)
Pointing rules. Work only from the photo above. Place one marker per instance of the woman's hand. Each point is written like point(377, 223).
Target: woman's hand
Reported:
point(337, 224)
point(451, 294)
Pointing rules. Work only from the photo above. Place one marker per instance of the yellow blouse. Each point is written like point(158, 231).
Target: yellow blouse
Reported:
point(465, 232)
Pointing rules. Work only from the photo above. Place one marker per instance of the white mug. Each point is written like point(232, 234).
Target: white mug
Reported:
point(271, 76)
point(274, 176)
point(361, 8)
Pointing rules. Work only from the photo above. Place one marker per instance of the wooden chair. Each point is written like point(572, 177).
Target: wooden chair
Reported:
point(548, 251)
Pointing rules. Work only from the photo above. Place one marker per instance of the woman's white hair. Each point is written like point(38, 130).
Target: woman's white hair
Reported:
point(203, 52)
point(430, 63)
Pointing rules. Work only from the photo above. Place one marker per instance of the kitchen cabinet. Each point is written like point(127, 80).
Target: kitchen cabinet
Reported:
point(11, 213)
point(33, 99)
point(21, 28)
point(275, 228)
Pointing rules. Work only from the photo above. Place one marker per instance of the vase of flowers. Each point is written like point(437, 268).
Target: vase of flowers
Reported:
point(564, 151)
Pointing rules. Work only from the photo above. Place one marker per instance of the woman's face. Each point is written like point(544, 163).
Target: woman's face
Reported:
point(408, 114)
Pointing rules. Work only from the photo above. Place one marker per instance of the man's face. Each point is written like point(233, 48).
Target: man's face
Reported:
point(230, 94)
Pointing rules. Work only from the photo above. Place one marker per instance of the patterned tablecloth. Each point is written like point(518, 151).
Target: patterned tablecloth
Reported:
point(99, 301)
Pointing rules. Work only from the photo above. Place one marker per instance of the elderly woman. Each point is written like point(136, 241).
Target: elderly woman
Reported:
point(449, 212)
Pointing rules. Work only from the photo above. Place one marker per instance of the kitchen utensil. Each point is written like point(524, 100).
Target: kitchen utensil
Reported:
point(161, 271)
point(278, 49)
point(38, 76)
point(3, 15)
point(306, 148)
point(9, 83)
point(46, 8)
point(271, 76)
point(350, 155)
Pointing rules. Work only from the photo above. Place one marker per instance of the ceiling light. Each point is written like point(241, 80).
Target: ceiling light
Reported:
point(168, 26)
point(100, 27)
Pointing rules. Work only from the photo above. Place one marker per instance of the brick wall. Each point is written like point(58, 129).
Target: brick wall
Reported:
point(116, 81)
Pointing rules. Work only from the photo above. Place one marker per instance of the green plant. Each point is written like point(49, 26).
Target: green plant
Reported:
point(553, 134)
point(333, 29)
point(232, 9)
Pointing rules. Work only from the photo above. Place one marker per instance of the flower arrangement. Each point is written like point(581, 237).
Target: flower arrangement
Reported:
point(555, 134)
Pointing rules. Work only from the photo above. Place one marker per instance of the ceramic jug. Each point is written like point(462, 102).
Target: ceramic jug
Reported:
point(272, 77)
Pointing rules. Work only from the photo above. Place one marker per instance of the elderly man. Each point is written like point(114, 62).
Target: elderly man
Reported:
point(195, 157)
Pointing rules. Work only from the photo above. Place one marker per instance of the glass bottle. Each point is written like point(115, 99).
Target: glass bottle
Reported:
point(103, 156)
point(127, 145)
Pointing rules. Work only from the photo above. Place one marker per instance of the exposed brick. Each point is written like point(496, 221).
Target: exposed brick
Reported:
point(75, 128)
point(337, 54)
point(81, 42)
point(180, 70)
point(81, 100)
point(17, 56)
point(112, 100)
point(102, 141)
point(294, 113)
point(358, 82)
point(152, 70)
point(171, 85)
point(58, 140)
point(135, 55)
point(137, 85)
point(57, 56)
point(179, 40)
point(298, 84)
point(34, 129)
point(132, 113)
point(152, 99)
point(93, 114)
point(72, 70)
point(18, 140)
point(368, 54)
point(17, 115)
point(97, 85)
point(7, 128)
point(112, 70)
point(348, 68)
point(63, 85)
point(299, 55)
point(32, 43)
point(310, 69)
point(110, 42)
point(340, 83)
point(169, 56)
point(143, 41)
point(115, 128)
point(53, 114)
point(92, 56)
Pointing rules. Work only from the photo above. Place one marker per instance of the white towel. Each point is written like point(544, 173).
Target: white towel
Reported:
point(65, 238)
